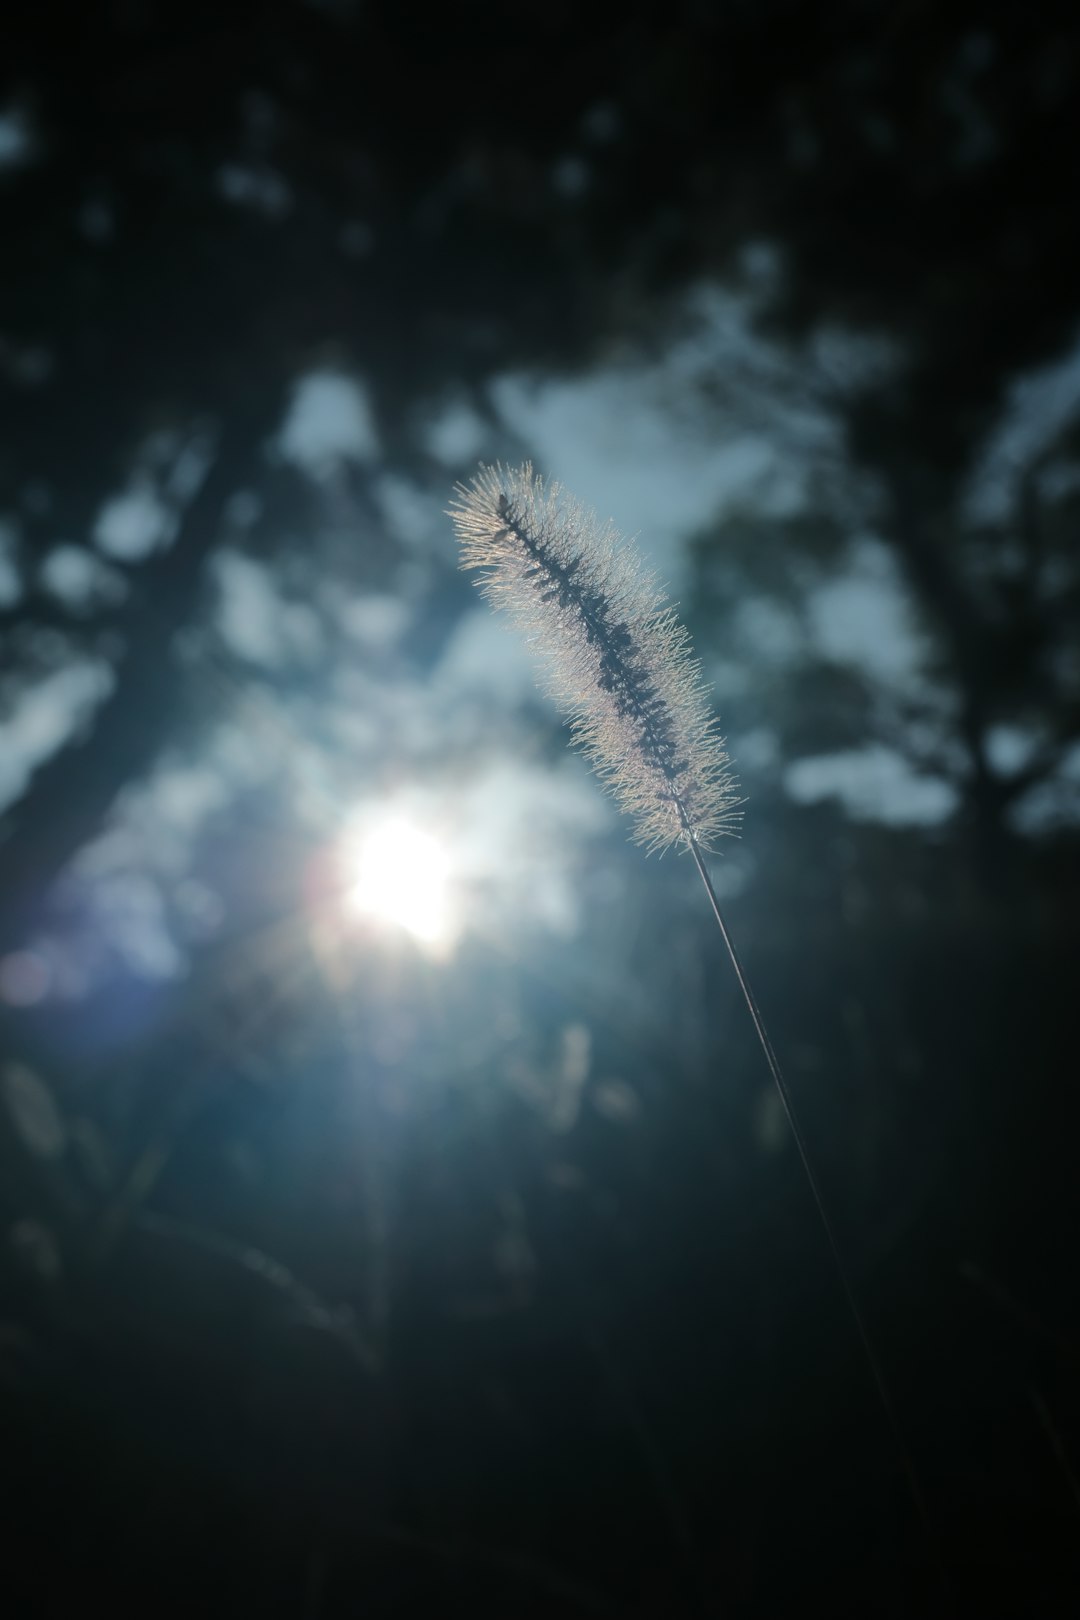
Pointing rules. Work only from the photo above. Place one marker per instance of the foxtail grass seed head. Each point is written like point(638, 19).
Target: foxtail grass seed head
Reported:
point(620, 666)
point(617, 661)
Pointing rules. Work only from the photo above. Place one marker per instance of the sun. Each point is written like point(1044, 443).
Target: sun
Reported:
point(399, 873)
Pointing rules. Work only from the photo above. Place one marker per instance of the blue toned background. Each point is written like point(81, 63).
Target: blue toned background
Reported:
point(395, 1214)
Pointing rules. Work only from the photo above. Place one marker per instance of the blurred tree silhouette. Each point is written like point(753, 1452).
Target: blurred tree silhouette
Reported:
point(486, 1276)
point(176, 258)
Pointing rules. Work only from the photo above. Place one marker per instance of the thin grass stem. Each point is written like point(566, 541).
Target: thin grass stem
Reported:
point(800, 1142)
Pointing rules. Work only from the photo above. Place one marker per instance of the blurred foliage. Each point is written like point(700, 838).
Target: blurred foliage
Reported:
point(335, 1276)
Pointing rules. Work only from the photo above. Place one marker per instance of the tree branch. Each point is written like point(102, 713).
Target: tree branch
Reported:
point(70, 796)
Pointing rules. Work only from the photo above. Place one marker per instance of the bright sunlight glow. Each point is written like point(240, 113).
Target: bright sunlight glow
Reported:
point(400, 874)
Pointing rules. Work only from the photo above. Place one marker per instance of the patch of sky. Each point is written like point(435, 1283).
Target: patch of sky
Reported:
point(155, 822)
point(615, 448)
point(137, 873)
point(80, 580)
point(1040, 406)
point(770, 632)
point(1009, 748)
point(729, 678)
point(44, 717)
point(415, 518)
point(131, 911)
point(377, 621)
point(723, 418)
point(186, 465)
point(756, 750)
point(1053, 804)
point(134, 524)
point(329, 421)
point(518, 828)
point(866, 619)
point(256, 622)
point(375, 719)
point(486, 657)
point(874, 783)
point(456, 434)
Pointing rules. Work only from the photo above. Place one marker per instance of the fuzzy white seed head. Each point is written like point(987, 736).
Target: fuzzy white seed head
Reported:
point(617, 661)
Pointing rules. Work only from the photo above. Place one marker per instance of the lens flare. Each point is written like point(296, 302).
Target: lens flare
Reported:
point(400, 874)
